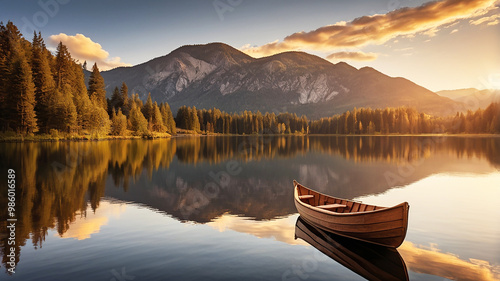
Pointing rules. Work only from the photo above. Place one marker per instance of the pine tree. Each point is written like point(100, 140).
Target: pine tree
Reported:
point(168, 118)
point(62, 106)
point(100, 125)
point(403, 121)
point(81, 99)
point(118, 123)
point(181, 119)
point(22, 91)
point(63, 71)
point(116, 101)
point(63, 113)
point(371, 128)
point(157, 120)
point(97, 87)
point(125, 99)
point(18, 89)
point(138, 123)
point(136, 100)
point(147, 108)
point(193, 122)
point(4, 74)
point(43, 80)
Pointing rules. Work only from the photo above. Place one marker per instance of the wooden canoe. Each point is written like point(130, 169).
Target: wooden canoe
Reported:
point(384, 226)
point(373, 262)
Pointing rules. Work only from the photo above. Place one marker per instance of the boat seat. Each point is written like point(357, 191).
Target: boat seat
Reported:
point(331, 206)
point(306, 196)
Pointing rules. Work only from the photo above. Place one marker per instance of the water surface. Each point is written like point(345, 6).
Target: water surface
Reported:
point(221, 208)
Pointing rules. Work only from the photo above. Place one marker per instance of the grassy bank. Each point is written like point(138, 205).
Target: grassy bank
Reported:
point(13, 137)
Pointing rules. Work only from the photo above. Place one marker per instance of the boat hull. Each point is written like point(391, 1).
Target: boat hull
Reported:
point(382, 226)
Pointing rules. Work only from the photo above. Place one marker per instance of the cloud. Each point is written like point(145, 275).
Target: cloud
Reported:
point(491, 20)
point(84, 226)
point(358, 56)
point(83, 48)
point(378, 29)
point(430, 32)
point(453, 31)
point(404, 49)
point(433, 262)
point(451, 24)
point(281, 229)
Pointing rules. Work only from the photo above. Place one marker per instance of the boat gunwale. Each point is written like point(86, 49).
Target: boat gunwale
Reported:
point(328, 212)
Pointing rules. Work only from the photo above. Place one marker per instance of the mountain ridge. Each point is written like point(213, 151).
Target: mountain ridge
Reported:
point(218, 75)
point(472, 98)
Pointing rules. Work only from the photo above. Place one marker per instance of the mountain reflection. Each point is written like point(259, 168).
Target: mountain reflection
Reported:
point(201, 178)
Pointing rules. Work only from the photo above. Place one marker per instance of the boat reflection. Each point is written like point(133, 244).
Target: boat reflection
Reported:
point(370, 261)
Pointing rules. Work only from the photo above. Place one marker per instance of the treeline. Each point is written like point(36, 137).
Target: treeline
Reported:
point(479, 121)
point(386, 121)
point(46, 93)
point(216, 121)
point(404, 120)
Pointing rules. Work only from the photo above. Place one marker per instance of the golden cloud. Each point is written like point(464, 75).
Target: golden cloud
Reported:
point(358, 56)
point(432, 261)
point(84, 226)
point(491, 20)
point(378, 29)
point(280, 229)
point(82, 48)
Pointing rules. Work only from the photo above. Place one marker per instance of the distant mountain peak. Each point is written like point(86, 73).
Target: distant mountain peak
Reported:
point(472, 97)
point(298, 57)
point(369, 70)
point(218, 75)
point(214, 53)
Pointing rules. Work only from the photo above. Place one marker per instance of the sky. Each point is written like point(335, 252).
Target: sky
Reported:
point(442, 45)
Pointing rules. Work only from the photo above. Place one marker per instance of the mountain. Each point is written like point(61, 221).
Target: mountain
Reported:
point(218, 75)
point(471, 97)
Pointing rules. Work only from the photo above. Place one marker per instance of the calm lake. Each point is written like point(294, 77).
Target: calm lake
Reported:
point(221, 208)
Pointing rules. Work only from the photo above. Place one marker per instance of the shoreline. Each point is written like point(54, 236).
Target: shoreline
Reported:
point(45, 138)
point(412, 135)
point(48, 138)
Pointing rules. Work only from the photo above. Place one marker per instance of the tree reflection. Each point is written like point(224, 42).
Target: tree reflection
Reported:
point(56, 180)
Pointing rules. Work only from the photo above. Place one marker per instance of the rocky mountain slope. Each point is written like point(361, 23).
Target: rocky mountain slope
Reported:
point(217, 75)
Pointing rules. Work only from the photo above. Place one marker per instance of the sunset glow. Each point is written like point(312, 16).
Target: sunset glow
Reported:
point(250, 140)
point(442, 45)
